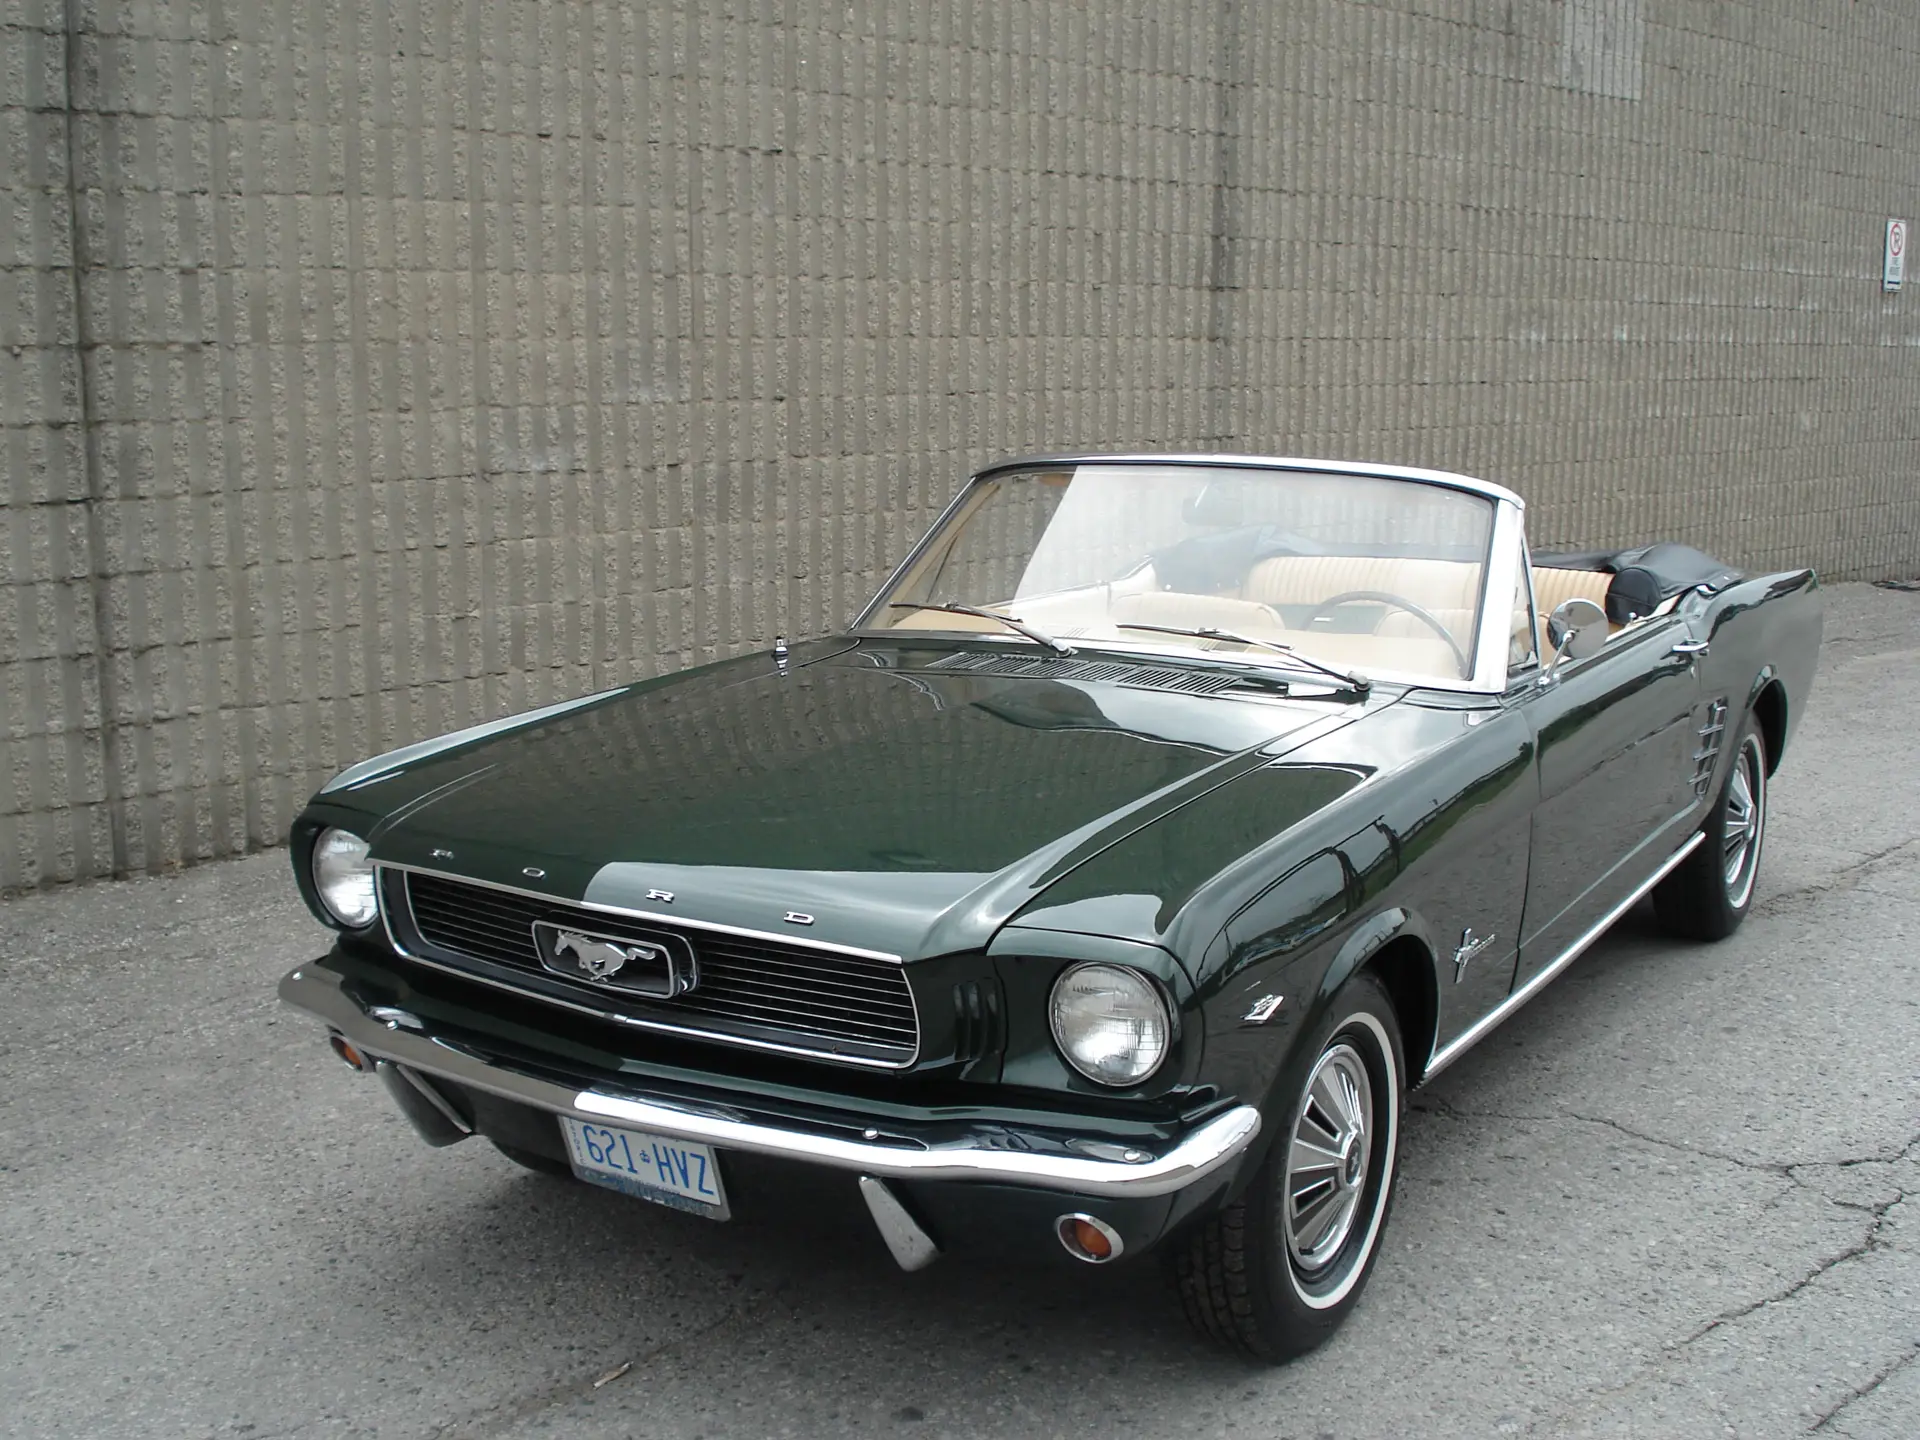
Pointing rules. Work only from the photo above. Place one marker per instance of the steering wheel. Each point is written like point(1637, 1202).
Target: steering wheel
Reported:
point(1399, 602)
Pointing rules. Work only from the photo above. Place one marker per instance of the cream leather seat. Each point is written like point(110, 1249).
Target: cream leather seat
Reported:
point(1446, 589)
point(1425, 653)
point(1552, 588)
point(1309, 579)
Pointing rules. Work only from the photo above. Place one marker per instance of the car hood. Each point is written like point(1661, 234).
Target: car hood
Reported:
point(894, 806)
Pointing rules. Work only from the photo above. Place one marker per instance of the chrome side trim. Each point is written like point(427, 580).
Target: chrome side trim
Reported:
point(1199, 1153)
point(1478, 1031)
point(670, 921)
point(912, 1247)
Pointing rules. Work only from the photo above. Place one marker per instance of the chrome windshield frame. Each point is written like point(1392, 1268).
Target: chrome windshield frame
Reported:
point(1506, 541)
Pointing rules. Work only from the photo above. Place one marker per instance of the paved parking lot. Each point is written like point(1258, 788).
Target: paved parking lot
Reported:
point(1670, 1198)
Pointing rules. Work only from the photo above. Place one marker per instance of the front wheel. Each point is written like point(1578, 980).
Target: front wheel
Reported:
point(1709, 893)
point(1277, 1272)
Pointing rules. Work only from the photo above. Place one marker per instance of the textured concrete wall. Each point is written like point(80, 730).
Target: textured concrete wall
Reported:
point(369, 368)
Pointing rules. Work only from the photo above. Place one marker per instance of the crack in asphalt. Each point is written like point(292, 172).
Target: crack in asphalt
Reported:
point(1801, 1174)
point(1674, 1348)
point(1846, 877)
point(1433, 1104)
point(1874, 1383)
point(1865, 1245)
point(1785, 1169)
point(1762, 1167)
point(1904, 1152)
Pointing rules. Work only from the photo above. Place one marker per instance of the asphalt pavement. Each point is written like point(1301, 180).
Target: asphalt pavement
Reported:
point(1674, 1197)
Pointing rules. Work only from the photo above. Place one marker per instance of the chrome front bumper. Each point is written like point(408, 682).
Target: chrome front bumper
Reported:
point(1041, 1161)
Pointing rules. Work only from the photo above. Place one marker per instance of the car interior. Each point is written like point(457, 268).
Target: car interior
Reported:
point(1348, 604)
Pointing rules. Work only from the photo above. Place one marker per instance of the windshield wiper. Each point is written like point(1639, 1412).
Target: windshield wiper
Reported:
point(1359, 683)
point(1039, 637)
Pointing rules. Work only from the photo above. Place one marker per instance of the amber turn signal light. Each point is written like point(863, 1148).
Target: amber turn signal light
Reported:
point(1086, 1238)
point(344, 1049)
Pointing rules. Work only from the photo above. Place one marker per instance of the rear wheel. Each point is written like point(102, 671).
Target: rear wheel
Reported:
point(1709, 893)
point(1276, 1272)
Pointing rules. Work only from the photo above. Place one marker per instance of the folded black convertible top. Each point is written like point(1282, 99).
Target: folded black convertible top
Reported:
point(1645, 578)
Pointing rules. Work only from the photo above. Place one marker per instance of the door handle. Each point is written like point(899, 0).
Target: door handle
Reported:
point(1690, 647)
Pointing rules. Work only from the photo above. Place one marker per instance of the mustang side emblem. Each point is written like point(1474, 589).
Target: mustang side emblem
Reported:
point(1470, 946)
point(1263, 1009)
point(601, 960)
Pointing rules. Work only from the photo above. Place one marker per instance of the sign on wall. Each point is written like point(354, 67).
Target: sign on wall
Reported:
point(1895, 269)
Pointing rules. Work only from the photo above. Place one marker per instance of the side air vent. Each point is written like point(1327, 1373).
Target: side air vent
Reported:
point(1712, 733)
point(1113, 672)
point(977, 1028)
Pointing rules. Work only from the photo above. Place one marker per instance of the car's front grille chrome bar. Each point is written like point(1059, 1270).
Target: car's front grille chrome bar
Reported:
point(761, 993)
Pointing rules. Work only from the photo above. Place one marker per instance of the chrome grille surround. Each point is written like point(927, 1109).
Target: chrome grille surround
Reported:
point(757, 990)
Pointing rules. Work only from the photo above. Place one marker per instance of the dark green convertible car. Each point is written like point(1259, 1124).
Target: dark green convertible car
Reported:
point(1103, 888)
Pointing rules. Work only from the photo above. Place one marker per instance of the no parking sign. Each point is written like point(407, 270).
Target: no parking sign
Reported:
point(1895, 268)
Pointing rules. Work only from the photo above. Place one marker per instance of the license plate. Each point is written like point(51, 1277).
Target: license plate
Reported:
point(678, 1173)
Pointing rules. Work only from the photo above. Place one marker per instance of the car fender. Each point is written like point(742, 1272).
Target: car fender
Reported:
point(1414, 988)
point(1265, 1057)
point(1761, 632)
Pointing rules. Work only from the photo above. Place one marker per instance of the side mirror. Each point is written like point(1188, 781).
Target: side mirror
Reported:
point(1578, 629)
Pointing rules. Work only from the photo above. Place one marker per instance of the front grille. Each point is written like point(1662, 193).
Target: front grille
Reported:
point(760, 991)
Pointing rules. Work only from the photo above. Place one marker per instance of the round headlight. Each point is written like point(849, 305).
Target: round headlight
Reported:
point(1110, 1023)
point(344, 877)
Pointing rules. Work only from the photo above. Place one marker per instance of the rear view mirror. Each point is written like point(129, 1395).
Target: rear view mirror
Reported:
point(1578, 629)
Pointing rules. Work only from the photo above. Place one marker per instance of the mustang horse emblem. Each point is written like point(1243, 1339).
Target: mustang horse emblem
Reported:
point(600, 959)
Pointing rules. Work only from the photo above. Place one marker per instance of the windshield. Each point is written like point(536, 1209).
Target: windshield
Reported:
point(1379, 576)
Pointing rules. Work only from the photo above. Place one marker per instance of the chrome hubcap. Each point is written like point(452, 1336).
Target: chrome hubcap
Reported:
point(1328, 1162)
point(1744, 823)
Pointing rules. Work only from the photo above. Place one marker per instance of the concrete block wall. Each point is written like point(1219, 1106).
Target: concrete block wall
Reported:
point(371, 367)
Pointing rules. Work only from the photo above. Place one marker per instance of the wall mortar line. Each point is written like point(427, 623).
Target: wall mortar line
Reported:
point(112, 763)
point(1221, 430)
